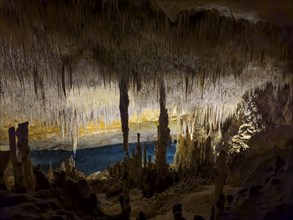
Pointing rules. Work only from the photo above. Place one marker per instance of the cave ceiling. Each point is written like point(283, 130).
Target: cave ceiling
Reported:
point(61, 61)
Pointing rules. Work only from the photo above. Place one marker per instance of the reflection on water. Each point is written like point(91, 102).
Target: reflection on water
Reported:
point(91, 160)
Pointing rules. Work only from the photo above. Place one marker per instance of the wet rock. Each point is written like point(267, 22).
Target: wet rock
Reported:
point(42, 194)
point(59, 179)
point(2, 182)
point(254, 190)
point(83, 189)
point(54, 205)
point(198, 217)
point(41, 180)
point(43, 206)
point(279, 165)
point(13, 200)
point(275, 182)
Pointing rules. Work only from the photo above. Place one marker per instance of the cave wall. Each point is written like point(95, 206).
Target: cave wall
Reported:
point(61, 61)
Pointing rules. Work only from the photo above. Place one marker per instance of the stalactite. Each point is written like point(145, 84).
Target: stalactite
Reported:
point(35, 72)
point(168, 51)
point(63, 78)
point(123, 106)
point(74, 132)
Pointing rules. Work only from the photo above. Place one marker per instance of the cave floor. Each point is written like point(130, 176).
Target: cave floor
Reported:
point(195, 200)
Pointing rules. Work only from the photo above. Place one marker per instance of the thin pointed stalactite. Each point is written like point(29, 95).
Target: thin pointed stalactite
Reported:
point(123, 107)
point(63, 78)
point(36, 81)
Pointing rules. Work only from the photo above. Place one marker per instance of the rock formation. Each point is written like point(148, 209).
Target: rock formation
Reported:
point(221, 69)
point(163, 140)
point(123, 106)
point(21, 158)
point(220, 175)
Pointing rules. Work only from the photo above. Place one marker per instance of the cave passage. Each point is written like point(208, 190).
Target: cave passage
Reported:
point(146, 109)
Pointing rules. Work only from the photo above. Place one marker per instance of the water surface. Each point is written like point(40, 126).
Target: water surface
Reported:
point(91, 160)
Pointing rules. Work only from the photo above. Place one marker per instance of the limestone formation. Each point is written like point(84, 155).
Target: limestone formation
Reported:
point(208, 151)
point(20, 158)
point(220, 177)
point(145, 157)
point(41, 181)
point(13, 157)
point(138, 162)
point(163, 139)
point(150, 165)
point(125, 182)
point(224, 68)
point(22, 145)
point(123, 106)
point(50, 174)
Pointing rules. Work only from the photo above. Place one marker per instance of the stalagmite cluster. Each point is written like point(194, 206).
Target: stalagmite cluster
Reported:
point(21, 159)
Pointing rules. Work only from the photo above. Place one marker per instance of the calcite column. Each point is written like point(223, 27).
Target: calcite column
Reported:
point(208, 150)
point(150, 167)
point(13, 156)
point(22, 145)
point(138, 161)
point(50, 173)
point(145, 156)
point(163, 139)
point(123, 106)
point(197, 157)
point(221, 175)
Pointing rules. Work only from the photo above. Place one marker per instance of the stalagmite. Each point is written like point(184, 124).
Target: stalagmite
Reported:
point(150, 163)
point(62, 166)
point(138, 163)
point(13, 156)
point(208, 150)
point(163, 139)
point(126, 209)
point(50, 174)
point(123, 106)
point(220, 177)
point(145, 156)
point(22, 145)
point(21, 161)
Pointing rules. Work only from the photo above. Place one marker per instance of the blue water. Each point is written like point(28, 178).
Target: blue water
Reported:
point(91, 160)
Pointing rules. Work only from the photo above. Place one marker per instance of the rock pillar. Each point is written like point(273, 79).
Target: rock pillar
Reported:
point(208, 150)
point(138, 158)
point(123, 106)
point(20, 158)
point(221, 175)
point(145, 156)
point(22, 145)
point(163, 140)
point(13, 156)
